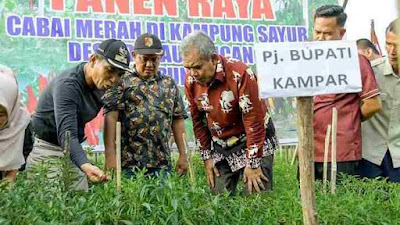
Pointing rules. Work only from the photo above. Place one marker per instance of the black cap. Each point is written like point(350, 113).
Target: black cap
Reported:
point(148, 44)
point(115, 52)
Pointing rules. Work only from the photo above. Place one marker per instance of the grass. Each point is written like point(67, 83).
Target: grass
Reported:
point(176, 201)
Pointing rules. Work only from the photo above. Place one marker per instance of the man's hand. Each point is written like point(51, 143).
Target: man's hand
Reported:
point(210, 171)
point(370, 107)
point(253, 178)
point(182, 165)
point(93, 173)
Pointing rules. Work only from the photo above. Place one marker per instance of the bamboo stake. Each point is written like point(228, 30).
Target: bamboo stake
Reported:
point(306, 157)
point(118, 155)
point(333, 154)
point(67, 140)
point(287, 155)
point(66, 177)
point(326, 153)
point(294, 154)
point(191, 173)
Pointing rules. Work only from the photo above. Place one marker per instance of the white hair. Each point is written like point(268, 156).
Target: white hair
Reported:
point(199, 41)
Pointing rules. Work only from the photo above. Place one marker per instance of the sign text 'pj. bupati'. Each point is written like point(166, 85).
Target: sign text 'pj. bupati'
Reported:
point(308, 68)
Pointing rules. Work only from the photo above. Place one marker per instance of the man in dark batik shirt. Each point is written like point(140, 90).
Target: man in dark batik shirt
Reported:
point(149, 106)
point(233, 129)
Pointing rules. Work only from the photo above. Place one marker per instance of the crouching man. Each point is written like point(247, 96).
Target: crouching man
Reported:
point(231, 123)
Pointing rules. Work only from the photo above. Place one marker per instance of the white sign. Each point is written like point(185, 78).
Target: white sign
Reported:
point(307, 68)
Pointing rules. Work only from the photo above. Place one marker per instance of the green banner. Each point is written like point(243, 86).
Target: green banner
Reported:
point(40, 38)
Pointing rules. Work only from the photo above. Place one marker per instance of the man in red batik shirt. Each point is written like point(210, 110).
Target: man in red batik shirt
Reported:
point(231, 123)
point(352, 108)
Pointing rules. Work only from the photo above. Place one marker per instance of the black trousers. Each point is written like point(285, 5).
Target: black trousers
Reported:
point(350, 168)
point(229, 180)
point(386, 169)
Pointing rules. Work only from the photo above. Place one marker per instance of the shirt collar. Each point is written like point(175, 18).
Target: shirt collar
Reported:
point(377, 61)
point(219, 71)
point(388, 69)
point(81, 72)
point(157, 76)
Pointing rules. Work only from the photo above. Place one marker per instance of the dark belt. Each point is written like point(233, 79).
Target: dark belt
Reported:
point(47, 140)
point(227, 151)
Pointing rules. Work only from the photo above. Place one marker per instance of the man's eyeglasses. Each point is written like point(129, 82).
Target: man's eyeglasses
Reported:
point(152, 59)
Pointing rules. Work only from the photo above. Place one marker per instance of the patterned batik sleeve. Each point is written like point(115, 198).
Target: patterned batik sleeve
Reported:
point(201, 131)
point(252, 116)
point(113, 98)
point(179, 106)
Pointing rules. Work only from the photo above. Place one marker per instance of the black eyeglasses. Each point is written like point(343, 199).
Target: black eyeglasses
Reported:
point(146, 59)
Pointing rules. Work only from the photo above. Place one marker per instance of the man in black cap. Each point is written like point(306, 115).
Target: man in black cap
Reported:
point(72, 99)
point(149, 106)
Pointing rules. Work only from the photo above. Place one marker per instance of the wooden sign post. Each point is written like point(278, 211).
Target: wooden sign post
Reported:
point(287, 72)
point(306, 156)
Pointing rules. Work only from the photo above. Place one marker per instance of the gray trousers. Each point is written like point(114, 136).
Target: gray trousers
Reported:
point(45, 152)
point(228, 180)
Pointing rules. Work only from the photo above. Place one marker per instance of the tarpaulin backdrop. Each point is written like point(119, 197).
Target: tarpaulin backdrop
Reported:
point(40, 38)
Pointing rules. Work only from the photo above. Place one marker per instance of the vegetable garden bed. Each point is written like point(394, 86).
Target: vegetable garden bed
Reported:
point(176, 201)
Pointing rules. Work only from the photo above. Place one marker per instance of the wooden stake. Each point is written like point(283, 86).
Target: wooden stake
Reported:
point(287, 154)
point(333, 154)
point(306, 158)
point(295, 154)
point(325, 171)
point(191, 173)
point(118, 154)
point(67, 140)
point(67, 178)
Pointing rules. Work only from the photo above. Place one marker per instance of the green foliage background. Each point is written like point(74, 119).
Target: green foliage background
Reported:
point(177, 201)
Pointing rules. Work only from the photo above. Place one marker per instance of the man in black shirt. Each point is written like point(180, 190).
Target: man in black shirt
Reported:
point(72, 99)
